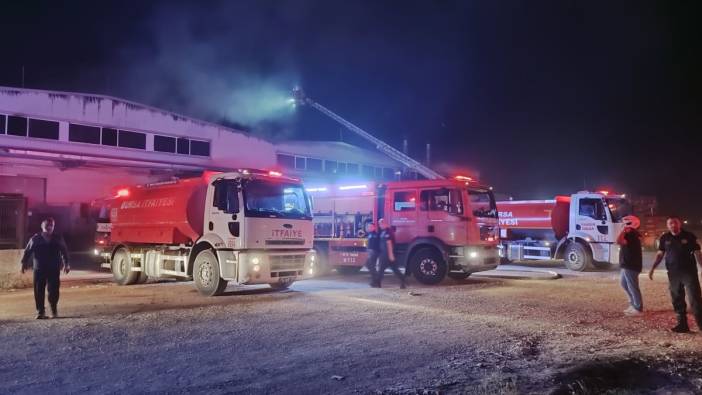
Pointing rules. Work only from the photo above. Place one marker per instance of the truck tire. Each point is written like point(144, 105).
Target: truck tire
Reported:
point(122, 268)
point(206, 274)
point(577, 258)
point(458, 276)
point(428, 266)
point(348, 270)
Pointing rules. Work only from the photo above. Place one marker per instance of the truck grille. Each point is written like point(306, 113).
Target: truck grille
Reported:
point(288, 242)
point(287, 262)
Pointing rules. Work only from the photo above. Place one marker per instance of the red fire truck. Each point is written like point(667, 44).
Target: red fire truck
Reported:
point(581, 229)
point(245, 227)
point(442, 227)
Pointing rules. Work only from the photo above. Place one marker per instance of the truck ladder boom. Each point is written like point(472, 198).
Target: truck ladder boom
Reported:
point(379, 144)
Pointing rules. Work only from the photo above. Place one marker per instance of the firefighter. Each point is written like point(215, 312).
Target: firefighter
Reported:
point(387, 254)
point(373, 249)
point(49, 255)
point(682, 255)
point(630, 262)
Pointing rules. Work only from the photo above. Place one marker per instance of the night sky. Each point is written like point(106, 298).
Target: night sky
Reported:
point(542, 98)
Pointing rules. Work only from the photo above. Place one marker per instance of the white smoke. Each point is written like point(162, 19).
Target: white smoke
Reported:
point(204, 62)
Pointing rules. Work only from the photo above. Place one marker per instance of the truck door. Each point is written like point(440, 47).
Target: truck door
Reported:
point(402, 214)
point(593, 224)
point(225, 218)
point(440, 214)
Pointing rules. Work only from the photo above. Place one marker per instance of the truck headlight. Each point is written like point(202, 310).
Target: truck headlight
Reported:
point(255, 260)
point(96, 252)
point(473, 254)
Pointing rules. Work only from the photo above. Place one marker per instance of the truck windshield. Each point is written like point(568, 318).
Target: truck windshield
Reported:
point(619, 208)
point(482, 202)
point(276, 200)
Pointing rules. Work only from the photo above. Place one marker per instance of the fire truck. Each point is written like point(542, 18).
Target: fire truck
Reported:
point(243, 227)
point(442, 227)
point(581, 229)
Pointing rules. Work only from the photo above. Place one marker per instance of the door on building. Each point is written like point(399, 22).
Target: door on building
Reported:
point(13, 221)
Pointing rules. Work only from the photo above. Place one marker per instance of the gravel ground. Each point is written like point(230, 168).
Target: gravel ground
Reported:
point(337, 335)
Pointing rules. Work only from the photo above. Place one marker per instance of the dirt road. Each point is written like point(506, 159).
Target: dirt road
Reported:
point(337, 335)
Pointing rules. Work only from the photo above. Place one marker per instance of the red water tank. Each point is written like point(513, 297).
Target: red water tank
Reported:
point(162, 213)
point(536, 214)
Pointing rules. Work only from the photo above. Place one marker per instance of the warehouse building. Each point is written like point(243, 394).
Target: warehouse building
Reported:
point(61, 151)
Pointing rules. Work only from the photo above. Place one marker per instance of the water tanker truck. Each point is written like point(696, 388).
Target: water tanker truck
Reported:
point(243, 227)
point(581, 229)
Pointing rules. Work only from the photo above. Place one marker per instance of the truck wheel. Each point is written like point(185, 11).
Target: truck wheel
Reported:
point(206, 274)
point(458, 276)
point(577, 258)
point(122, 268)
point(347, 270)
point(428, 266)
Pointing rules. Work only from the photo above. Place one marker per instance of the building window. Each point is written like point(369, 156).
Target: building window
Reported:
point(300, 163)
point(3, 118)
point(368, 171)
point(341, 168)
point(286, 161)
point(132, 139)
point(164, 144)
point(17, 126)
point(352, 168)
point(199, 148)
point(83, 134)
point(314, 164)
point(41, 129)
point(388, 174)
point(330, 166)
point(183, 146)
point(109, 137)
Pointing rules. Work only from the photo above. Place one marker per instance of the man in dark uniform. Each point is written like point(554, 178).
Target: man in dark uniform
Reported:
point(387, 254)
point(49, 255)
point(373, 249)
point(682, 254)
